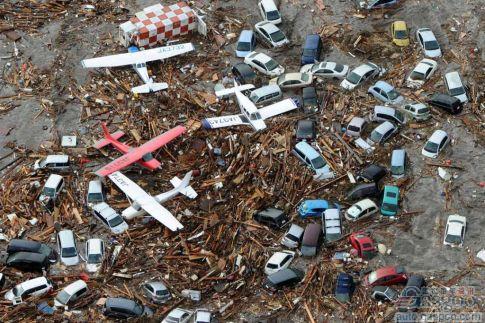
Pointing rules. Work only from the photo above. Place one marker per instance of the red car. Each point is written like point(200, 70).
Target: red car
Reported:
point(363, 244)
point(386, 276)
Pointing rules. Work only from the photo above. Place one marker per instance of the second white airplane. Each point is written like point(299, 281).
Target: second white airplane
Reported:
point(138, 59)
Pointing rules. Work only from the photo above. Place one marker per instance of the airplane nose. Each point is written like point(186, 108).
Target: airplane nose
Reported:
point(206, 124)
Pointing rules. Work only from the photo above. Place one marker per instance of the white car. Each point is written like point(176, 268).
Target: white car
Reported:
point(428, 42)
point(269, 11)
point(435, 144)
point(293, 237)
point(356, 126)
point(94, 254)
point(415, 110)
point(67, 247)
point(421, 73)
point(455, 231)
point(178, 315)
point(271, 34)
point(326, 70)
point(292, 80)
point(71, 293)
point(33, 287)
point(381, 133)
point(110, 218)
point(360, 74)
point(264, 64)
point(455, 87)
point(280, 260)
point(361, 209)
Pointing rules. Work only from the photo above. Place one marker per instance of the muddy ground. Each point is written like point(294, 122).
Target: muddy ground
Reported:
point(36, 118)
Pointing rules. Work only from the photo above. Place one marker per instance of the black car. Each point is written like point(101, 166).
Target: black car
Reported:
point(411, 295)
point(119, 307)
point(446, 102)
point(305, 130)
point(364, 190)
point(271, 217)
point(344, 288)
point(283, 278)
point(28, 261)
point(310, 99)
point(372, 173)
point(384, 293)
point(17, 245)
point(243, 73)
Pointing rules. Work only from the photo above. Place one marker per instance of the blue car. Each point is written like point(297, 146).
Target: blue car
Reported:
point(344, 288)
point(311, 49)
point(314, 208)
point(246, 43)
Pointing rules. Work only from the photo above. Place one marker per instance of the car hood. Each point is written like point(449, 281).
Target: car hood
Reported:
point(120, 228)
point(9, 295)
point(92, 268)
point(242, 53)
point(401, 42)
point(347, 85)
point(71, 261)
point(306, 68)
point(353, 212)
point(433, 53)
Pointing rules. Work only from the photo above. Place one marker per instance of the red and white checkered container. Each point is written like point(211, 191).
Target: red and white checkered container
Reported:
point(157, 23)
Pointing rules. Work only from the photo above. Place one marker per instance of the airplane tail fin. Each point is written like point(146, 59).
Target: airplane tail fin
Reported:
point(183, 185)
point(149, 87)
point(108, 137)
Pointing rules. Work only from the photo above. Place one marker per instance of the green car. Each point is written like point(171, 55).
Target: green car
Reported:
point(390, 200)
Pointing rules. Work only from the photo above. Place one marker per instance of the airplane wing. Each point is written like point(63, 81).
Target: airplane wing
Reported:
point(277, 108)
point(232, 90)
point(142, 56)
point(224, 121)
point(137, 153)
point(145, 201)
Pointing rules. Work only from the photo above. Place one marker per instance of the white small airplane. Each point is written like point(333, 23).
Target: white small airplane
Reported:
point(138, 59)
point(145, 203)
point(250, 114)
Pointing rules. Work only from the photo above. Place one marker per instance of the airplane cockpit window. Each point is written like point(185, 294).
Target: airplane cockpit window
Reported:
point(255, 116)
point(147, 157)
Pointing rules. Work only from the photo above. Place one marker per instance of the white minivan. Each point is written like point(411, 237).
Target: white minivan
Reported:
point(269, 11)
point(67, 248)
point(71, 293)
point(33, 287)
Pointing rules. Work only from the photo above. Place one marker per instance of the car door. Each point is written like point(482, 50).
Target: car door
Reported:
point(443, 143)
point(265, 35)
point(420, 39)
point(260, 66)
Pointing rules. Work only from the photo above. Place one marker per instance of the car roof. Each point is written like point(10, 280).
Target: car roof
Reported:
point(204, 315)
point(385, 126)
point(384, 109)
point(245, 35)
point(30, 256)
point(312, 233)
point(306, 149)
point(271, 212)
point(296, 230)
point(311, 41)
point(362, 69)
point(157, 285)
point(105, 210)
point(437, 136)
point(57, 159)
point(283, 275)
point(427, 34)
point(269, 4)
point(271, 88)
point(95, 186)
point(384, 86)
point(391, 189)
point(399, 25)
point(277, 257)
point(316, 203)
point(23, 244)
point(53, 180)
point(357, 122)
point(453, 79)
point(366, 203)
point(34, 281)
point(309, 90)
point(120, 302)
point(94, 246)
point(397, 156)
point(293, 76)
point(389, 270)
point(76, 286)
point(66, 236)
point(422, 67)
point(269, 27)
point(444, 98)
point(244, 68)
point(178, 312)
point(262, 57)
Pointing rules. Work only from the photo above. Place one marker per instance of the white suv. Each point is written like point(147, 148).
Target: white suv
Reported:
point(455, 230)
point(33, 287)
point(455, 86)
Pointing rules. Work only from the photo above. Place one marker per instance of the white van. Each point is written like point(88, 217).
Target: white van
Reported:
point(94, 254)
point(53, 162)
point(95, 193)
point(33, 287)
point(266, 94)
point(269, 11)
point(67, 248)
point(455, 86)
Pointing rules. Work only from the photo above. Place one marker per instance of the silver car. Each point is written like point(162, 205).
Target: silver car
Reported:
point(110, 218)
point(293, 237)
point(157, 292)
point(271, 34)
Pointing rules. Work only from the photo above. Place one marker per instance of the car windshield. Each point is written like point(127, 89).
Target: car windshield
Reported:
point(401, 34)
point(353, 78)
point(399, 116)
point(94, 258)
point(372, 277)
point(162, 292)
point(431, 147)
point(277, 36)
point(18, 290)
point(397, 170)
point(393, 94)
point(423, 111)
point(272, 266)
point(309, 52)
point(273, 15)
point(457, 91)
point(45, 250)
point(389, 207)
point(271, 65)
point(49, 191)
point(95, 197)
point(138, 309)
point(63, 297)
point(292, 237)
point(315, 68)
point(431, 45)
point(243, 46)
point(69, 252)
point(375, 136)
point(310, 101)
point(305, 77)
point(358, 208)
point(114, 222)
point(339, 68)
point(417, 76)
point(454, 239)
point(318, 162)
